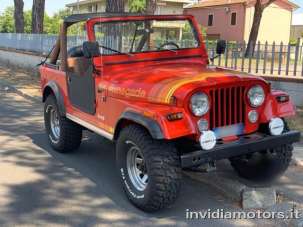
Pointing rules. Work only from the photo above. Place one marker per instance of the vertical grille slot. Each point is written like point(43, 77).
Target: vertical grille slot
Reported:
point(227, 106)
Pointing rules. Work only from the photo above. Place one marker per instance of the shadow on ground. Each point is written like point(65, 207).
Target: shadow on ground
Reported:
point(42, 187)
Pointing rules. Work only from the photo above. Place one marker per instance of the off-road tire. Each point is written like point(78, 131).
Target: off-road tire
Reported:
point(70, 133)
point(162, 165)
point(264, 166)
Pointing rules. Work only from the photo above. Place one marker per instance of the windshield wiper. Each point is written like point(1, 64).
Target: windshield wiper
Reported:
point(116, 51)
point(47, 56)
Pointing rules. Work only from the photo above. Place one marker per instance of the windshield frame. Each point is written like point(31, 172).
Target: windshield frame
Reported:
point(196, 32)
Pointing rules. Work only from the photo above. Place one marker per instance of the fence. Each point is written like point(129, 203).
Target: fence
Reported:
point(267, 59)
point(37, 43)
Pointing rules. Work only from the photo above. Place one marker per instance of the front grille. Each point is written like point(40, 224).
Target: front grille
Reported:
point(227, 106)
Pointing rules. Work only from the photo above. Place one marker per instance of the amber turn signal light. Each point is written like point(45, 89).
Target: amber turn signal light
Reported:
point(174, 116)
point(282, 98)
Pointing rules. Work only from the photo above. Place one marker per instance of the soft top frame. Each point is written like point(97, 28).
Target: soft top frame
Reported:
point(75, 18)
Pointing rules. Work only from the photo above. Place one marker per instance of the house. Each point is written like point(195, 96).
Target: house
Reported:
point(163, 6)
point(232, 19)
point(296, 30)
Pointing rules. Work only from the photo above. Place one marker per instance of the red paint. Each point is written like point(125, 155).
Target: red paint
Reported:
point(146, 82)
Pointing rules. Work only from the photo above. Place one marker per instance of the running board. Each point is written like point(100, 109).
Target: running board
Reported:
point(91, 127)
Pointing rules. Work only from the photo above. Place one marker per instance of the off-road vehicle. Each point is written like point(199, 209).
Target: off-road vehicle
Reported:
point(144, 83)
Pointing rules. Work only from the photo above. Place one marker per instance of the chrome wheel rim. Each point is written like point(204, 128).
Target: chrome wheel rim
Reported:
point(54, 123)
point(136, 167)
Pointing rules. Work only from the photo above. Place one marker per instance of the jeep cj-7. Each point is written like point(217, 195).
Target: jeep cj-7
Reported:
point(144, 83)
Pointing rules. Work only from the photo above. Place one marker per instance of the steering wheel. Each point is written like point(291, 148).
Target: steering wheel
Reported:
point(168, 44)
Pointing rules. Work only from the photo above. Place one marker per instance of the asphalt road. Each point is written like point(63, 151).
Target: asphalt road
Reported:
point(41, 187)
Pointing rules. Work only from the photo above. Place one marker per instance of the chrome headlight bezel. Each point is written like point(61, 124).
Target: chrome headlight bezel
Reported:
point(256, 96)
point(199, 104)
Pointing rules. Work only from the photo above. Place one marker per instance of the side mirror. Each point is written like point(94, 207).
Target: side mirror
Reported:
point(91, 49)
point(221, 47)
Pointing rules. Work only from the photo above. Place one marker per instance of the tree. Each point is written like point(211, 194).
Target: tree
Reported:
point(143, 6)
point(52, 24)
point(114, 33)
point(7, 21)
point(151, 6)
point(115, 6)
point(18, 16)
point(260, 6)
point(137, 6)
point(38, 16)
point(28, 21)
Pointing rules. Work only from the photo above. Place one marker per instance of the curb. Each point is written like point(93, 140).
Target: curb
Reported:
point(16, 90)
point(297, 158)
point(297, 162)
point(249, 196)
point(230, 188)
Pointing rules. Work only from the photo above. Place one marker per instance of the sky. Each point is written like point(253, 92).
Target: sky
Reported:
point(53, 6)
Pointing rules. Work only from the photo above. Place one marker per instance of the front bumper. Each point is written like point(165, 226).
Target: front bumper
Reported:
point(245, 145)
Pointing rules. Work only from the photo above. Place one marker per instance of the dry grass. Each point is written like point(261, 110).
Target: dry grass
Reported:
point(27, 82)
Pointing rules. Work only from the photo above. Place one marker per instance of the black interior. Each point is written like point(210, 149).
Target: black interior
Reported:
point(75, 52)
point(91, 49)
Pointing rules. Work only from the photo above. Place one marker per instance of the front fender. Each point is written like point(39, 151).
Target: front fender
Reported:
point(273, 108)
point(150, 124)
point(154, 119)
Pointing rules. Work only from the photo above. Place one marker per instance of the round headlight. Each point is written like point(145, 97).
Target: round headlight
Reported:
point(256, 96)
point(199, 104)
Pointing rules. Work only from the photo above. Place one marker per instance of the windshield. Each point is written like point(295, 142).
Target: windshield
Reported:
point(127, 37)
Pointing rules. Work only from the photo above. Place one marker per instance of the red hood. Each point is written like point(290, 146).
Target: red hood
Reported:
point(161, 81)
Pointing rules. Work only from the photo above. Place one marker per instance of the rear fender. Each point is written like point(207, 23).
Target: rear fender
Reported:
point(52, 88)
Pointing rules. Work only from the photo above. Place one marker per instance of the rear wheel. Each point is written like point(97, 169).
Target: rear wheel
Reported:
point(149, 169)
point(64, 135)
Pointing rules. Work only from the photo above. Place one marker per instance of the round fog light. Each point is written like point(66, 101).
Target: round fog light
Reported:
point(276, 126)
point(208, 140)
point(253, 116)
point(203, 125)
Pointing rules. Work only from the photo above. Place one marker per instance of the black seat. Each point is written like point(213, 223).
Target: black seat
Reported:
point(75, 52)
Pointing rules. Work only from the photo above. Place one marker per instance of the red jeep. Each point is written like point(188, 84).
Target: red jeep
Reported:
point(144, 83)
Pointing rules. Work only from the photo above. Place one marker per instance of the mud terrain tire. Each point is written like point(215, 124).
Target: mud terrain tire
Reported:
point(263, 166)
point(64, 135)
point(160, 163)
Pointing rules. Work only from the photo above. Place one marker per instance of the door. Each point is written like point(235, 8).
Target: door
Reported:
point(81, 84)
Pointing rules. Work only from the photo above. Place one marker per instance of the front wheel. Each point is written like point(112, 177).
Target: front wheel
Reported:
point(149, 169)
point(265, 165)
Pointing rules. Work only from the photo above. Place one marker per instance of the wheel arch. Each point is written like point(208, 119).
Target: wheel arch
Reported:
point(130, 117)
point(53, 88)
